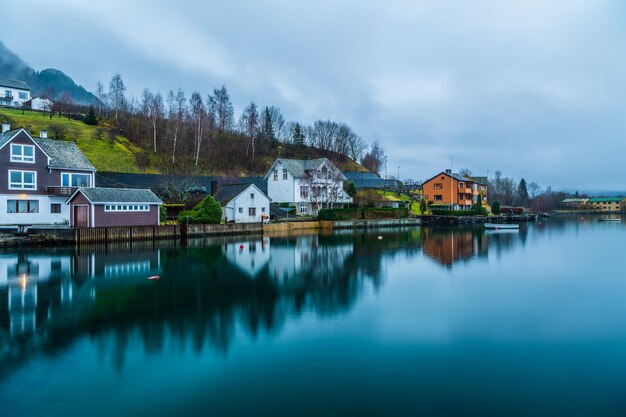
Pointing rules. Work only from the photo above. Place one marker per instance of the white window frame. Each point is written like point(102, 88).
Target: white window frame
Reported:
point(20, 185)
point(69, 175)
point(115, 207)
point(251, 211)
point(303, 208)
point(20, 93)
point(285, 176)
point(21, 157)
point(14, 203)
point(275, 175)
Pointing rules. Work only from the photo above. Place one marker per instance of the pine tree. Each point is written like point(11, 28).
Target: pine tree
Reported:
point(298, 135)
point(522, 193)
point(267, 128)
point(90, 117)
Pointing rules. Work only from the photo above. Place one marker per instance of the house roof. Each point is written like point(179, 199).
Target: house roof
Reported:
point(454, 175)
point(5, 82)
point(363, 180)
point(64, 154)
point(299, 167)
point(156, 181)
point(606, 200)
point(575, 200)
point(117, 195)
point(480, 180)
point(226, 193)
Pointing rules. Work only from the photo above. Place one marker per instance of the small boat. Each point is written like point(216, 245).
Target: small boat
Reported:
point(154, 278)
point(496, 226)
point(611, 220)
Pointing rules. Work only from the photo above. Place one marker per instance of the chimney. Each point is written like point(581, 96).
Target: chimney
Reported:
point(448, 171)
point(5, 127)
point(43, 134)
point(214, 188)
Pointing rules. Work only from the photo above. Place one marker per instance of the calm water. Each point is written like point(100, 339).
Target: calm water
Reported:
point(434, 322)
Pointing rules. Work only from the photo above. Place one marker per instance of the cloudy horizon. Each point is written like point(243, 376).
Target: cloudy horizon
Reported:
point(531, 89)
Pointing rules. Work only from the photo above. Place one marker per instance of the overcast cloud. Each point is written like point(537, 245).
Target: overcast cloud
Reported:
point(535, 89)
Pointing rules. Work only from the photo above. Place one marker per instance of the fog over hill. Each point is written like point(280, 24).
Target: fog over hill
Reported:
point(51, 82)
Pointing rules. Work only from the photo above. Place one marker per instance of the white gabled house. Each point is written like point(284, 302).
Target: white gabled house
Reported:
point(308, 185)
point(242, 203)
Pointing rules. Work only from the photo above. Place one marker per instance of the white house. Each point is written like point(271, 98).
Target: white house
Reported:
point(40, 103)
point(250, 256)
point(242, 203)
point(13, 93)
point(309, 185)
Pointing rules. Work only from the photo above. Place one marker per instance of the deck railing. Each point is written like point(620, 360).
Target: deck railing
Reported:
point(61, 191)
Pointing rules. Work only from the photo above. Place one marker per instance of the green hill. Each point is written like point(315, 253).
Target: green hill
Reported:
point(105, 154)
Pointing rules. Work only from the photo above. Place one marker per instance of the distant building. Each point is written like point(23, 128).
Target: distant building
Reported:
point(483, 187)
point(39, 103)
point(109, 207)
point(451, 190)
point(607, 203)
point(309, 185)
point(575, 203)
point(13, 93)
point(242, 203)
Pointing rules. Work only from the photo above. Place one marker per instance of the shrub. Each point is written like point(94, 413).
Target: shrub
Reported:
point(457, 213)
point(495, 207)
point(363, 213)
point(90, 118)
point(208, 211)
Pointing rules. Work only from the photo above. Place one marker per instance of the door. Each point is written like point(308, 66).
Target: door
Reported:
point(81, 216)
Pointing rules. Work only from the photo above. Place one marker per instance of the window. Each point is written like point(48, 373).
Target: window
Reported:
point(240, 209)
point(438, 197)
point(461, 185)
point(8, 94)
point(75, 180)
point(22, 206)
point(55, 208)
point(22, 180)
point(251, 211)
point(120, 207)
point(284, 174)
point(22, 153)
point(262, 209)
point(438, 186)
point(23, 96)
point(303, 208)
point(251, 196)
point(275, 175)
point(304, 191)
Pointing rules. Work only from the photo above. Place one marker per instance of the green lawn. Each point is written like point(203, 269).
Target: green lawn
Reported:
point(104, 155)
point(391, 196)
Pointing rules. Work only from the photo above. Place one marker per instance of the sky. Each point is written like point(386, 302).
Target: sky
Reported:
point(534, 89)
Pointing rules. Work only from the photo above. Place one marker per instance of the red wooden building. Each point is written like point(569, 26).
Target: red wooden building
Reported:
point(110, 207)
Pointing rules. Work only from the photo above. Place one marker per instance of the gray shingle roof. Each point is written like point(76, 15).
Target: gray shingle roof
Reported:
point(6, 136)
point(64, 154)
point(226, 193)
point(299, 167)
point(119, 195)
point(5, 82)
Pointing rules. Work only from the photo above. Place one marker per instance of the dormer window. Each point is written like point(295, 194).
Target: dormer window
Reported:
point(22, 153)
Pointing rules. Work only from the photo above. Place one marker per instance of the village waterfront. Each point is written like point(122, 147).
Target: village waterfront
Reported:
point(399, 321)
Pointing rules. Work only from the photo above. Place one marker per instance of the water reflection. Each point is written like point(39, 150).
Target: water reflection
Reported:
point(210, 292)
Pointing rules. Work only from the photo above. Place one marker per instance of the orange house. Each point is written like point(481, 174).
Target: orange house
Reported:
point(455, 191)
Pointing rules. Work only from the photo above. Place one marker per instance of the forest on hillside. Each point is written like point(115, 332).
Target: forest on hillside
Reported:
point(201, 133)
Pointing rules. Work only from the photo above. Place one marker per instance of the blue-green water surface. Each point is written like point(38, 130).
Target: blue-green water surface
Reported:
point(432, 322)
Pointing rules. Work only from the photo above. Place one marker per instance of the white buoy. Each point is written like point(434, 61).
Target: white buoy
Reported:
point(380, 238)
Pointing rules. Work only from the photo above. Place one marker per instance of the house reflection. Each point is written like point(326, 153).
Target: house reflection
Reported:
point(448, 246)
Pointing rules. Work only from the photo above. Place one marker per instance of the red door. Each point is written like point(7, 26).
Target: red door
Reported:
point(81, 216)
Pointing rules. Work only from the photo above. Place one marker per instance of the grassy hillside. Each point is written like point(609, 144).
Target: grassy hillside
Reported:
point(104, 154)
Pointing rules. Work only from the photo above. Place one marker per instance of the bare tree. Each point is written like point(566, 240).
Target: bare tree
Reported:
point(197, 114)
point(375, 158)
point(116, 95)
point(177, 107)
point(222, 108)
point(533, 189)
point(249, 126)
point(101, 96)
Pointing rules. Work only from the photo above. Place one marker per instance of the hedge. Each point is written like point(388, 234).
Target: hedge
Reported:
point(457, 213)
point(363, 213)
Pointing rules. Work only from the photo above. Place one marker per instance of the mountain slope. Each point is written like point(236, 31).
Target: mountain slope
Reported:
point(51, 82)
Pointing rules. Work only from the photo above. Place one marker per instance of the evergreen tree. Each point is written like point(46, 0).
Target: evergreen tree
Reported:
point(351, 189)
point(298, 135)
point(267, 128)
point(495, 207)
point(208, 211)
point(90, 117)
point(522, 193)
